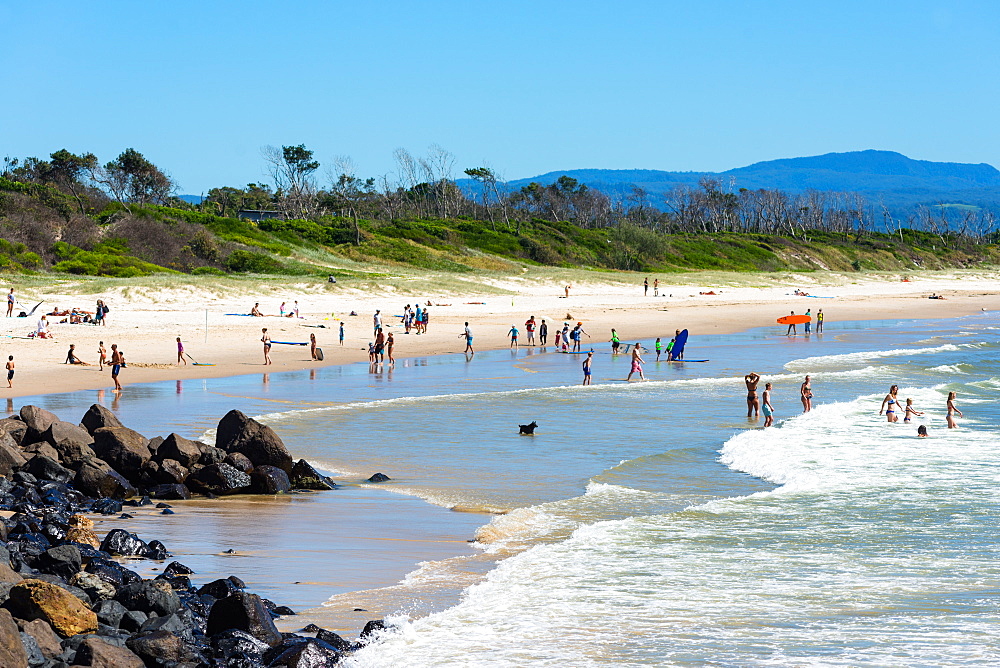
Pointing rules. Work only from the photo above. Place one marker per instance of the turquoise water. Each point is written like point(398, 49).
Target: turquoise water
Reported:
point(647, 523)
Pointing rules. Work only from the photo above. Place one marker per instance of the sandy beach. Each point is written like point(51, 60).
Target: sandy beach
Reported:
point(144, 323)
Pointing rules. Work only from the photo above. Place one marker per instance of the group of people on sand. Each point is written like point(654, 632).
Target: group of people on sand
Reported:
point(415, 318)
point(283, 311)
point(117, 361)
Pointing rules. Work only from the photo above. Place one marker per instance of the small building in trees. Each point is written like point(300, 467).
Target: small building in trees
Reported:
point(257, 215)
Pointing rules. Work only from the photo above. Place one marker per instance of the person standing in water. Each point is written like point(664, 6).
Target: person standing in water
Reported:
point(753, 403)
point(615, 342)
point(636, 364)
point(890, 405)
point(808, 323)
point(952, 409)
point(659, 348)
point(468, 339)
point(806, 395)
point(389, 343)
point(766, 406)
point(586, 367)
point(819, 321)
point(791, 327)
point(910, 411)
point(117, 362)
point(529, 327)
point(265, 338)
point(543, 333)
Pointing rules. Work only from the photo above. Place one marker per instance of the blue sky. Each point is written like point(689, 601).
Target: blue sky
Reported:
point(524, 87)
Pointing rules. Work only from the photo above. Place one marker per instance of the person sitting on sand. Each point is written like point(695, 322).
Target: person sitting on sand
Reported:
point(71, 357)
point(255, 311)
point(42, 331)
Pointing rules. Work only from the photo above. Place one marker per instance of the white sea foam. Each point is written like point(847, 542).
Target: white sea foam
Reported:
point(811, 363)
point(958, 369)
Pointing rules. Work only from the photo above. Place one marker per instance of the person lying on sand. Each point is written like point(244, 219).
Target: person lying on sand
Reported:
point(71, 357)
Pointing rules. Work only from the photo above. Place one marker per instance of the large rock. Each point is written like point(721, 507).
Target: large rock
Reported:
point(125, 449)
point(239, 461)
point(11, 648)
point(11, 459)
point(170, 492)
point(219, 479)
point(112, 572)
point(303, 653)
point(239, 433)
point(96, 653)
point(95, 478)
point(171, 472)
point(269, 480)
point(304, 476)
point(98, 589)
point(15, 428)
point(37, 420)
point(161, 647)
point(8, 574)
point(244, 612)
point(119, 542)
point(71, 442)
point(46, 468)
point(68, 616)
point(149, 596)
point(62, 560)
point(40, 448)
point(180, 449)
point(44, 636)
point(97, 416)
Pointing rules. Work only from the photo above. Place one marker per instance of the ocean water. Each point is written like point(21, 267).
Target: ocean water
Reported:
point(644, 523)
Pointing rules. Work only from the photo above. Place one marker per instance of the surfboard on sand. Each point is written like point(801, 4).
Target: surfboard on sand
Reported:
point(794, 319)
point(291, 343)
point(319, 354)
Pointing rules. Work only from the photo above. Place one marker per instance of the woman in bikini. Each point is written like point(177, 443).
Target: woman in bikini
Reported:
point(952, 410)
point(266, 340)
point(806, 395)
point(910, 411)
point(890, 405)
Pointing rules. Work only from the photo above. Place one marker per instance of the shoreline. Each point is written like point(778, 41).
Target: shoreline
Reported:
point(233, 347)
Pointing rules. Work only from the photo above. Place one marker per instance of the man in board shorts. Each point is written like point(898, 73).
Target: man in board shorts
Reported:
point(586, 367)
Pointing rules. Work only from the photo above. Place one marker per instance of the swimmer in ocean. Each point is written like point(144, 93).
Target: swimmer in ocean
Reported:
point(890, 405)
point(753, 403)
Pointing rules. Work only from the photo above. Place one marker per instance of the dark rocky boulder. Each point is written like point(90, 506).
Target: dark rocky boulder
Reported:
point(238, 433)
point(15, 428)
point(95, 478)
point(125, 449)
point(304, 476)
point(149, 596)
point(95, 651)
point(40, 448)
point(300, 652)
point(44, 636)
point(219, 588)
point(232, 641)
point(219, 479)
point(156, 550)
point(177, 568)
point(11, 459)
point(244, 612)
point(62, 560)
point(119, 542)
point(211, 455)
point(179, 449)
point(173, 492)
point(36, 599)
point(267, 479)
point(46, 468)
point(74, 444)
point(112, 572)
point(334, 640)
point(97, 416)
point(171, 472)
point(379, 477)
point(110, 612)
point(371, 628)
point(239, 462)
point(159, 648)
point(37, 420)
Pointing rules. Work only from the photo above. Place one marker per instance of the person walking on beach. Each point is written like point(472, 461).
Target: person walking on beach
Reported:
point(468, 339)
point(376, 322)
point(265, 339)
point(102, 356)
point(636, 364)
point(766, 406)
point(10, 371)
point(656, 287)
point(543, 333)
point(753, 403)
point(529, 327)
point(791, 327)
point(341, 333)
point(312, 346)
point(808, 323)
point(586, 367)
point(180, 352)
point(389, 343)
point(806, 395)
point(513, 336)
point(890, 405)
point(645, 287)
point(819, 321)
point(10, 302)
point(952, 409)
point(616, 343)
point(117, 361)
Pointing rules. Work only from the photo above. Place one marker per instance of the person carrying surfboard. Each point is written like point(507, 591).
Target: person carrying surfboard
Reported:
point(791, 327)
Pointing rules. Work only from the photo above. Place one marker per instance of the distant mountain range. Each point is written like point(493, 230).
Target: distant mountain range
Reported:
point(882, 176)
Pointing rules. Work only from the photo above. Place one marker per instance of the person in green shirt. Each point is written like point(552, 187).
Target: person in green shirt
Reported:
point(670, 346)
point(659, 348)
point(615, 342)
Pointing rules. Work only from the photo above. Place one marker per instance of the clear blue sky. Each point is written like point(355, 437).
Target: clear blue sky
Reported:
point(525, 87)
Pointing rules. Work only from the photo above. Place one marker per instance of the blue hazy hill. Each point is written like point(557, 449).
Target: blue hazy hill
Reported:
point(882, 176)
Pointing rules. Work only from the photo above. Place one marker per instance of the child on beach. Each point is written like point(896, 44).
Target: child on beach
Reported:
point(616, 343)
point(659, 348)
point(180, 352)
point(910, 410)
point(10, 369)
point(543, 333)
point(71, 357)
point(371, 352)
point(558, 337)
point(102, 356)
point(341, 333)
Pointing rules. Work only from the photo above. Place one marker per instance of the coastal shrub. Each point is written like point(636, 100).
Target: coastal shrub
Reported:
point(207, 271)
point(248, 262)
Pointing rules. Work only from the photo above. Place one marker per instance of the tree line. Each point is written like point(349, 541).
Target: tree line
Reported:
point(426, 187)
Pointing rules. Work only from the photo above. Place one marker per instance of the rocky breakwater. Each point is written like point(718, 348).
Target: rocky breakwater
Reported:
point(67, 599)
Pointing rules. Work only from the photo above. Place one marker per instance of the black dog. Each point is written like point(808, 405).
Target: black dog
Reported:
point(528, 428)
